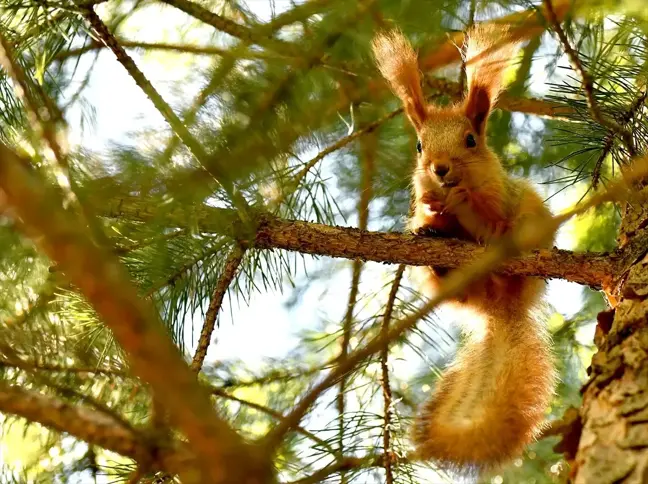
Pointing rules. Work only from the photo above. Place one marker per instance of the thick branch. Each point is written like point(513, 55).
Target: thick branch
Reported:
point(592, 269)
point(105, 284)
point(91, 426)
point(85, 424)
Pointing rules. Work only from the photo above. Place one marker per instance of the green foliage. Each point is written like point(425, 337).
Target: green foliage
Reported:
point(264, 112)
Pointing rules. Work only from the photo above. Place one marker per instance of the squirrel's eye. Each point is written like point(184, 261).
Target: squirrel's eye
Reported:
point(470, 141)
point(419, 147)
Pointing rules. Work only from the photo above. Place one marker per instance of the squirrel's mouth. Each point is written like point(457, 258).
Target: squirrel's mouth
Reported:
point(450, 184)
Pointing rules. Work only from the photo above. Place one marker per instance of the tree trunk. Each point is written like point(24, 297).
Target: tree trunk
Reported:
point(613, 446)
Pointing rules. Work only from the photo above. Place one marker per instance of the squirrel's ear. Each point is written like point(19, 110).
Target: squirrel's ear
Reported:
point(398, 64)
point(488, 51)
point(477, 108)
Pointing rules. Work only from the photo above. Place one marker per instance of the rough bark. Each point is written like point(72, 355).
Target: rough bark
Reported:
point(613, 445)
point(592, 269)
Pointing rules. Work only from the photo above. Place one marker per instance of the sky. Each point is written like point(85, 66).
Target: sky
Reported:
point(121, 108)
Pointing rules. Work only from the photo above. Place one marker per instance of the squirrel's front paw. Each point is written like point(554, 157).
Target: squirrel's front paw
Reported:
point(430, 231)
point(456, 197)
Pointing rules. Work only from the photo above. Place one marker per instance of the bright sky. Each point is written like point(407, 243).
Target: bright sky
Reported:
point(265, 328)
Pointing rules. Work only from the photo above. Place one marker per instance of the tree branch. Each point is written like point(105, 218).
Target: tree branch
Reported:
point(93, 427)
point(588, 268)
point(229, 272)
point(230, 27)
point(386, 388)
point(524, 25)
point(524, 238)
point(88, 425)
point(214, 167)
point(588, 82)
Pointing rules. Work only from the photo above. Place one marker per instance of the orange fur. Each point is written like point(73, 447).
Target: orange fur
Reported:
point(490, 403)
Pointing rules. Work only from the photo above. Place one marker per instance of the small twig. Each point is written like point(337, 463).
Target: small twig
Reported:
point(596, 172)
point(35, 366)
point(165, 46)
point(368, 148)
point(272, 413)
point(229, 272)
point(345, 464)
point(214, 166)
point(292, 185)
point(469, 24)
point(387, 394)
point(588, 83)
point(298, 13)
point(232, 28)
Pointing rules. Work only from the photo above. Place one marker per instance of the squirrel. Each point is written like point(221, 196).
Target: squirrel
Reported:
point(490, 403)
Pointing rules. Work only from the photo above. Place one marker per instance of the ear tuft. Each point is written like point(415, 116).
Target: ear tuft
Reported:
point(398, 64)
point(488, 52)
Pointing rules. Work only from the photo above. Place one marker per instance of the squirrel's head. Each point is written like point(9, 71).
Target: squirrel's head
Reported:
point(451, 142)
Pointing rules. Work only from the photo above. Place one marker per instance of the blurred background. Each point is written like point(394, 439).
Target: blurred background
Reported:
point(284, 99)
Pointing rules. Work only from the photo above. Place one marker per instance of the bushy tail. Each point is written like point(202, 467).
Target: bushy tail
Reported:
point(490, 404)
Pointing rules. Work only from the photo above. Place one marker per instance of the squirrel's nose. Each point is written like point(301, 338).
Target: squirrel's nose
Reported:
point(441, 170)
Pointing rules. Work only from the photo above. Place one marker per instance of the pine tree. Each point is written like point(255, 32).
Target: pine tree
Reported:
point(280, 164)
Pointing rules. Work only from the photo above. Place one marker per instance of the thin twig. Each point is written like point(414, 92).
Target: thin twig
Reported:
point(524, 238)
point(297, 14)
point(292, 185)
point(165, 46)
point(272, 413)
point(232, 28)
point(596, 171)
point(384, 367)
point(588, 83)
point(229, 272)
point(469, 23)
point(213, 167)
point(36, 366)
point(368, 147)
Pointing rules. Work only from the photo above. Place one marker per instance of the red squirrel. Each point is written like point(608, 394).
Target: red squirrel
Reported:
point(490, 403)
